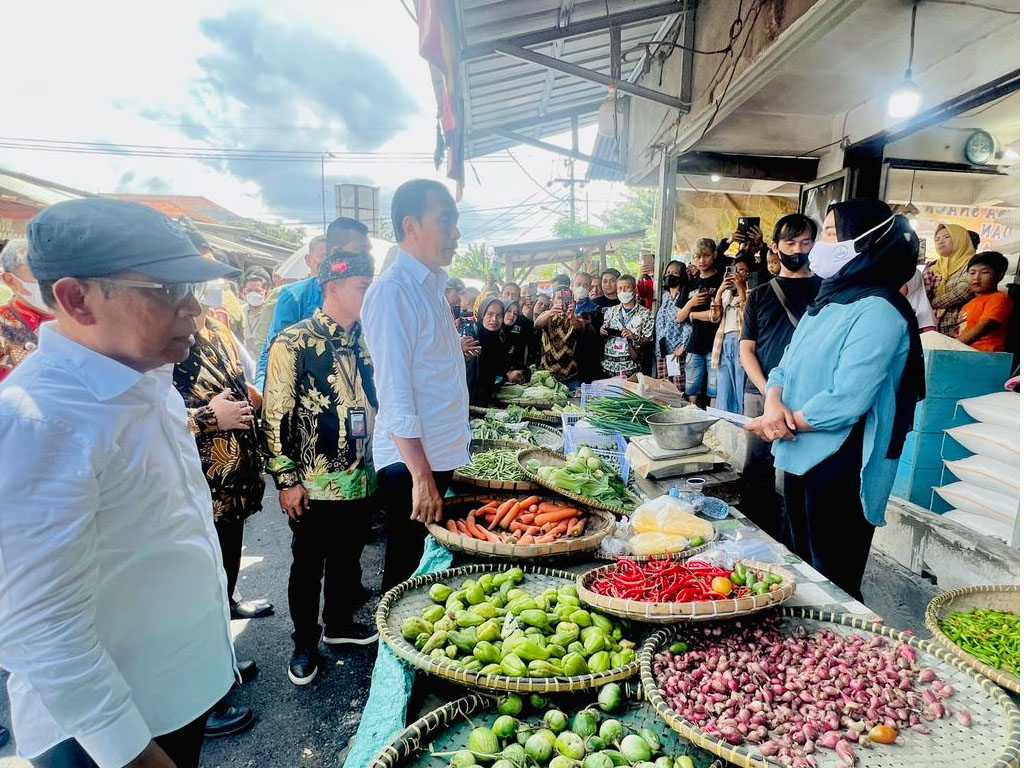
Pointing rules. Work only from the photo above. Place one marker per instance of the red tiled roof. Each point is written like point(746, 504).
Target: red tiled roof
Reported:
point(196, 207)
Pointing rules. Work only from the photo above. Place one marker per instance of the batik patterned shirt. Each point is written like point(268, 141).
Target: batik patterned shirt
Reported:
point(19, 333)
point(232, 459)
point(313, 382)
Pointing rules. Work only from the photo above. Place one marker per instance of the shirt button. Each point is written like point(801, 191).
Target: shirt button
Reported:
point(29, 346)
point(330, 378)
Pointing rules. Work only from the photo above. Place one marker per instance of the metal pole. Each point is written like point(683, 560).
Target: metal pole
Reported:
point(323, 192)
point(666, 216)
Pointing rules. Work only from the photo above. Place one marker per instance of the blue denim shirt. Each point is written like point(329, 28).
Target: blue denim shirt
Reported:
point(843, 364)
point(295, 302)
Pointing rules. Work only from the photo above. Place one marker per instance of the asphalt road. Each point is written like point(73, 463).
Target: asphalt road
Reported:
point(307, 726)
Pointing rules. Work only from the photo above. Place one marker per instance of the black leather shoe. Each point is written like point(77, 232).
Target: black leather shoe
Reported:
point(251, 609)
point(304, 666)
point(350, 634)
point(224, 720)
point(247, 670)
point(5, 736)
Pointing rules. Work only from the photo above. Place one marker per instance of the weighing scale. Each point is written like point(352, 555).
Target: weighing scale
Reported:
point(649, 460)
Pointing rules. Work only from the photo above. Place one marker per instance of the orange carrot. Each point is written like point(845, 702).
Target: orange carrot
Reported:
point(555, 516)
point(502, 511)
point(472, 527)
point(547, 506)
point(450, 525)
point(517, 525)
point(512, 513)
point(526, 517)
point(460, 526)
point(533, 509)
point(528, 539)
point(526, 503)
point(577, 528)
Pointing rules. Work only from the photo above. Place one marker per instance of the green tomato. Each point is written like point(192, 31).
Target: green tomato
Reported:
point(504, 726)
point(556, 721)
point(510, 704)
point(462, 759)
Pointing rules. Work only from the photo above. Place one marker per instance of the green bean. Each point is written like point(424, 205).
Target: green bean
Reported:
point(989, 635)
point(496, 464)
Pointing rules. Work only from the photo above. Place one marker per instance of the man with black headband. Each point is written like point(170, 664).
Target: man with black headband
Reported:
point(318, 411)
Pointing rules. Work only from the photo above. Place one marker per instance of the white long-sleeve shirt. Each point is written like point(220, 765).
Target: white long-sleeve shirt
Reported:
point(418, 367)
point(113, 601)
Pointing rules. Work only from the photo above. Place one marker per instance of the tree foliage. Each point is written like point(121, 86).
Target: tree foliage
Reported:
point(279, 231)
point(475, 262)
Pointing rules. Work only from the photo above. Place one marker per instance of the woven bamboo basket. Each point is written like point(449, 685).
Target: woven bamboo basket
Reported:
point(999, 598)
point(479, 446)
point(553, 459)
point(546, 436)
point(680, 556)
point(599, 525)
point(993, 741)
point(447, 728)
point(541, 417)
point(706, 610)
point(522, 402)
point(410, 598)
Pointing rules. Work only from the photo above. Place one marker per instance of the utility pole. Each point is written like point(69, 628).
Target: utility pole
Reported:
point(572, 181)
point(323, 191)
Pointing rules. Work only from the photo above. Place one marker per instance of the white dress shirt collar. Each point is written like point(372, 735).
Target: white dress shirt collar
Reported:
point(420, 271)
point(104, 376)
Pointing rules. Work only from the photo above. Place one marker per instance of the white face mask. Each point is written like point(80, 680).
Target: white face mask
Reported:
point(626, 298)
point(213, 294)
point(33, 295)
point(827, 259)
point(579, 294)
point(254, 299)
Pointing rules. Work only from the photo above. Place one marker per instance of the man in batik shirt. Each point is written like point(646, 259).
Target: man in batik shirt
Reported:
point(22, 315)
point(318, 410)
point(220, 410)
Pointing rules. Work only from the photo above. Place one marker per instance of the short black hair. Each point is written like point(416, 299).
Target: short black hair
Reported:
point(993, 259)
point(512, 284)
point(611, 271)
point(258, 273)
point(562, 280)
point(410, 199)
point(792, 225)
point(339, 231)
point(745, 258)
point(629, 279)
point(975, 238)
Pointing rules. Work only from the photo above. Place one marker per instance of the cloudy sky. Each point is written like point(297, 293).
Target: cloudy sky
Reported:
point(316, 76)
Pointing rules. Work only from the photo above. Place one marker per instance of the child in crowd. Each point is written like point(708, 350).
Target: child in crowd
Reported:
point(984, 319)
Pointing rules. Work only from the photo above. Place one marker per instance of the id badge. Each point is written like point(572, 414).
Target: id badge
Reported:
point(620, 345)
point(355, 423)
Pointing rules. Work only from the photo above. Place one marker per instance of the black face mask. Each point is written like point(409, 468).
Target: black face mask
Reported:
point(794, 262)
point(672, 281)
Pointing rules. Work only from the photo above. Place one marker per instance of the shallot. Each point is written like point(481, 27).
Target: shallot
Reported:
point(797, 693)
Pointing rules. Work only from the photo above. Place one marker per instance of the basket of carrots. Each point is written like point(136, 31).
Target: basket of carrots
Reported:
point(509, 527)
point(665, 591)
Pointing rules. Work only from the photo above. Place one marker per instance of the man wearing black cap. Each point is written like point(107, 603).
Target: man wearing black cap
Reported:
point(318, 409)
point(297, 301)
point(113, 602)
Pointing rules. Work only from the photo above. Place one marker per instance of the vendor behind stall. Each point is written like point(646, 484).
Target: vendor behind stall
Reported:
point(841, 401)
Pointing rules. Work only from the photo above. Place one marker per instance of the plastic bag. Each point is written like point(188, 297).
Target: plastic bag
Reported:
point(666, 514)
point(654, 543)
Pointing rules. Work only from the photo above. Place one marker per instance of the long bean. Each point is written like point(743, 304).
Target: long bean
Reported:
point(991, 636)
point(496, 464)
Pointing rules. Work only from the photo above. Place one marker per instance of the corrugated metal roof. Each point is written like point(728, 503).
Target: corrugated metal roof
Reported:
point(503, 91)
point(196, 207)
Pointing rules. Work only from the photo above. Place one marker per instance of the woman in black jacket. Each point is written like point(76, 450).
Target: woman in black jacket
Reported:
point(494, 364)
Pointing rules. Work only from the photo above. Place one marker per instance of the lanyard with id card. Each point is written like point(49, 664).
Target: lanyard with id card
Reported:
point(356, 426)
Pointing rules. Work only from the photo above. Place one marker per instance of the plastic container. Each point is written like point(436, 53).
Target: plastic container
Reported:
point(590, 391)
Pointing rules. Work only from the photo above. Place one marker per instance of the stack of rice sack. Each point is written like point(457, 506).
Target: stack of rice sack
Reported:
point(983, 488)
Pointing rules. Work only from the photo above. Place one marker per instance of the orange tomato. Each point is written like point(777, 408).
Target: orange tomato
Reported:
point(721, 585)
point(883, 734)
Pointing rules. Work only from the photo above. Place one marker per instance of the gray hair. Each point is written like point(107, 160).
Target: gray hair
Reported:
point(14, 254)
point(316, 241)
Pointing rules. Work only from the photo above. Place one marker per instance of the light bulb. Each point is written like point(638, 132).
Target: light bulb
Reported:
point(715, 178)
point(905, 100)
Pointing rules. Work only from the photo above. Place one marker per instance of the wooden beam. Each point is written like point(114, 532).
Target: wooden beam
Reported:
point(588, 74)
point(574, 29)
point(574, 154)
point(666, 218)
point(759, 167)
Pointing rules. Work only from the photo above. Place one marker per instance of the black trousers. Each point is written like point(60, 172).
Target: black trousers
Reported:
point(229, 534)
point(182, 746)
point(827, 524)
point(404, 535)
point(327, 542)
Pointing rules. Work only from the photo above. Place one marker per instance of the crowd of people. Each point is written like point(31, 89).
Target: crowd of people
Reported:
point(141, 410)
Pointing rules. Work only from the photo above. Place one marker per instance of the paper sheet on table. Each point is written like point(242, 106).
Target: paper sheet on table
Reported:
point(672, 367)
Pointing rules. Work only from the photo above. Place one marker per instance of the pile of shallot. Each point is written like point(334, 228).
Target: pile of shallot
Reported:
point(794, 693)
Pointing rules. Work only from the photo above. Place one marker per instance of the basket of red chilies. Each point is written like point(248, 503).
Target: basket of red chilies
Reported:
point(665, 591)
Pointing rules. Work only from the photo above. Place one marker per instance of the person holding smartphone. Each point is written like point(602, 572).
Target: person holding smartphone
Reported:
point(727, 310)
point(559, 329)
point(695, 307)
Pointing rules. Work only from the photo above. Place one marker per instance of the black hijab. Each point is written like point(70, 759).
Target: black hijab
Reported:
point(885, 261)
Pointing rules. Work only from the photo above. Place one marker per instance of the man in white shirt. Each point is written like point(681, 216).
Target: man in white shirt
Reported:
point(113, 604)
point(421, 434)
